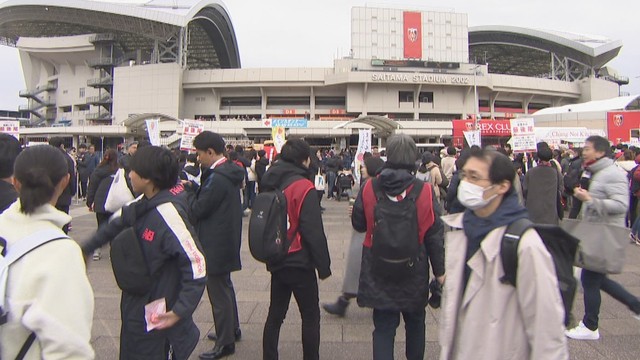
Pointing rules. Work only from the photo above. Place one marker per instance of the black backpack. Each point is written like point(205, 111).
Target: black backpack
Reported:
point(395, 245)
point(268, 241)
point(129, 263)
point(560, 244)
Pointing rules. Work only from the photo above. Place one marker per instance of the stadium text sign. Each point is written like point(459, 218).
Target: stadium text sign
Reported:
point(422, 78)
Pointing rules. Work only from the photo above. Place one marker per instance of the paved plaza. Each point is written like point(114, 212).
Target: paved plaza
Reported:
point(342, 338)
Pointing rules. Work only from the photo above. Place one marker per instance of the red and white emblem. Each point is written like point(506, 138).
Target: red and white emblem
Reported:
point(618, 120)
point(412, 34)
point(469, 126)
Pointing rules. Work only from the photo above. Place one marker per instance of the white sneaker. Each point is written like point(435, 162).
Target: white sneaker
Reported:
point(581, 332)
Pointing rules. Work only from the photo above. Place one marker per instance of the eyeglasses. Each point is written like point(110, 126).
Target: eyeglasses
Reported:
point(471, 177)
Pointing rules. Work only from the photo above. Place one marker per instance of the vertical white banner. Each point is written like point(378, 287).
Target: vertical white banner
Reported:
point(153, 130)
point(364, 145)
point(10, 127)
point(190, 129)
point(473, 137)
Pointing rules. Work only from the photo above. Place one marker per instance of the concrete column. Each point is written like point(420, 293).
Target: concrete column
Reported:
point(263, 93)
point(312, 105)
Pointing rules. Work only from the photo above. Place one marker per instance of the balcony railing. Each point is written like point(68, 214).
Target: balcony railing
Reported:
point(38, 89)
point(104, 61)
point(102, 81)
point(98, 116)
point(99, 100)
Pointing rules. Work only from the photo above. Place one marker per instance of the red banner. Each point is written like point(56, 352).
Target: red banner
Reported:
point(621, 125)
point(412, 35)
point(500, 128)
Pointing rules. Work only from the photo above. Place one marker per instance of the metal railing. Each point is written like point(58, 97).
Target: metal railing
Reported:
point(98, 116)
point(101, 81)
point(104, 99)
point(38, 89)
point(103, 61)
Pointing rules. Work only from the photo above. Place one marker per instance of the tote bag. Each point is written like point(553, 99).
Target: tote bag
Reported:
point(319, 181)
point(119, 193)
point(602, 246)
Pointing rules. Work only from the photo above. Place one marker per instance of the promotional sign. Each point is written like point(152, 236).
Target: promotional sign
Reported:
point(364, 145)
point(557, 135)
point(279, 137)
point(523, 135)
point(412, 35)
point(190, 129)
point(289, 123)
point(153, 129)
point(623, 125)
point(498, 128)
point(473, 137)
point(10, 127)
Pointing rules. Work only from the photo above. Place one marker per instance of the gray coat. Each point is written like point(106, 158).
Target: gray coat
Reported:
point(609, 190)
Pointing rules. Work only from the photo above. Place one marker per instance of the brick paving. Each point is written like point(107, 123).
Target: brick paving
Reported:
point(342, 338)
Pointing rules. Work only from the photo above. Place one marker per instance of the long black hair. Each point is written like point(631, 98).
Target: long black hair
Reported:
point(39, 169)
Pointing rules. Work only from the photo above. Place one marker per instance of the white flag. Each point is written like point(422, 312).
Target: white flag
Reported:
point(153, 130)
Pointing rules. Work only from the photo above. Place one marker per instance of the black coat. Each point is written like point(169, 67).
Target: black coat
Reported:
point(98, 189)
point(217, 212)
point(72, 188)
point(315, 252)
point(8, 195)
point(87, 164)
point(261, 168)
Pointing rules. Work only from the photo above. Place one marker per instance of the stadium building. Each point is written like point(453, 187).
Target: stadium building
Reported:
point(96, 71)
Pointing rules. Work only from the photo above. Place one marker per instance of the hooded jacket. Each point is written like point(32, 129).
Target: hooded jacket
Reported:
point(217, 212)
point(261, 168)
point(409, 295)
point(48, 291)
point(70, 190)
point(309, 248)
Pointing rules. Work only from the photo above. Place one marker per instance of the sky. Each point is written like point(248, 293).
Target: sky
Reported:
point(308, 33)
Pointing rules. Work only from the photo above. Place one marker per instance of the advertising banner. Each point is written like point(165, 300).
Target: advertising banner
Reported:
point(153, 129)
point(10, 127)
point(523, 135)
point(412, 35)
point(279, 137)
point(190, 129)
point(364, 145)
point(289, 123)
point(623, 125)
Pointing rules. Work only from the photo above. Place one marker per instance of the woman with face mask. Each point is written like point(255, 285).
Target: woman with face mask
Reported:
point(478, 309)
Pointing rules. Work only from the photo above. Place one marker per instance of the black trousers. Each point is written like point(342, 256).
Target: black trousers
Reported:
point(386, 322)
point(304, 286)
point(138, 344)
point(222, 296)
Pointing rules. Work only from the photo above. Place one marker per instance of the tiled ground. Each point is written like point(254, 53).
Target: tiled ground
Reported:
point(347, 338)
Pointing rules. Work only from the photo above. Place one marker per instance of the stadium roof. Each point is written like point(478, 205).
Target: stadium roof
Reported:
point(528, 52)
point(212, 40)
point(619, 103)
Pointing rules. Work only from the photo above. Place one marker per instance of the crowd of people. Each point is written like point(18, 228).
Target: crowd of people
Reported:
point(183, 233)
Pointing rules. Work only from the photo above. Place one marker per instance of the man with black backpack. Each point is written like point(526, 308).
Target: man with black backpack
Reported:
point(483, 312)
point(403, 229)
point(305, 247)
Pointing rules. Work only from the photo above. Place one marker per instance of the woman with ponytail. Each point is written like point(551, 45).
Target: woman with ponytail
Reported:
point(48, 295)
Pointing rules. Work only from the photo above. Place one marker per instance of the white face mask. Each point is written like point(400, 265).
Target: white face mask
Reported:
point(471, 195)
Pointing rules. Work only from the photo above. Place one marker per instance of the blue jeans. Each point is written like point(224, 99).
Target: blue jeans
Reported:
point(592, 283)
point(386, 322)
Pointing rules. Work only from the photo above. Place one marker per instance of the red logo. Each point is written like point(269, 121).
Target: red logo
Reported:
point(148, 235)
point(618, 120)
point(176, 190)
point(412, 34)
point(469, 126)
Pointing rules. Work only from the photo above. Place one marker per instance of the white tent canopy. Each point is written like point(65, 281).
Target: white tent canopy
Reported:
point(618, 103)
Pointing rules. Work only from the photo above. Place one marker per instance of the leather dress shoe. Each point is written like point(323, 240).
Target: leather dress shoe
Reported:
point(213, 337)
point(218, 352)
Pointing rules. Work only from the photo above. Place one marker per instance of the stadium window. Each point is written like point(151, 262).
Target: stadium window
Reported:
point(405, 96)
point(426, 97)
point(635, 133)
point(81, 92)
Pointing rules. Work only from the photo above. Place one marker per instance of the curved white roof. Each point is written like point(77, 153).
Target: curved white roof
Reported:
point(162, 11)
point(618, 103)
point(588, 44)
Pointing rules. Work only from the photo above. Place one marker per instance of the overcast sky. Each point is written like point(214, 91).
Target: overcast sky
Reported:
point(305, 33)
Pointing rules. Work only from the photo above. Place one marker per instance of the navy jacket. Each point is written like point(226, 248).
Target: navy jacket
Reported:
point(217, 212)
